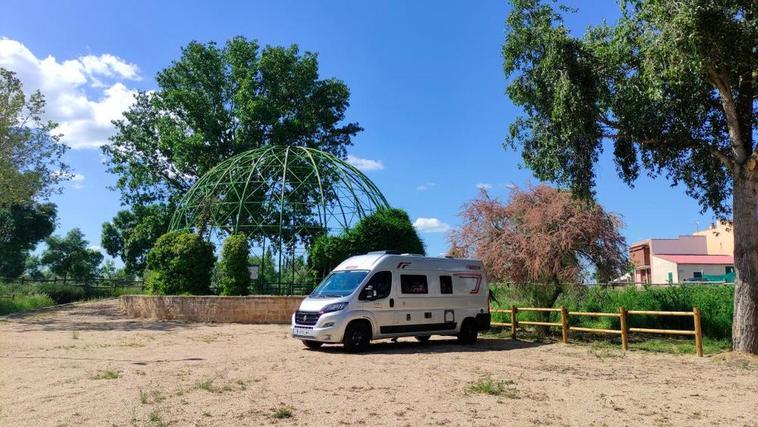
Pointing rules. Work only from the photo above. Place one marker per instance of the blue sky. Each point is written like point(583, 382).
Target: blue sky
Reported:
point(426, 81)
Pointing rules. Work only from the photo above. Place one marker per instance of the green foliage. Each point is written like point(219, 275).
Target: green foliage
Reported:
point(71, 257)
point(31, 165)
point(266, 267)
point(179, 263)
point(386, 229)
point(215, 102)
point(24, 302)
point(22, 226)
point(132, 233)
point(63, 294)
point(716, 303)
point(234, 277)
point(669, 86)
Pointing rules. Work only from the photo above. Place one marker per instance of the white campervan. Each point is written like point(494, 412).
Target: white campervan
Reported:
point(387, 295)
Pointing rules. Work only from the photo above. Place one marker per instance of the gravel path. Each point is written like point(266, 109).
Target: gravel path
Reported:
point(87, 364)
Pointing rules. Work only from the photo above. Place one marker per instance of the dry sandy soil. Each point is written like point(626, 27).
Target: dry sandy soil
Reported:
point(89, 365)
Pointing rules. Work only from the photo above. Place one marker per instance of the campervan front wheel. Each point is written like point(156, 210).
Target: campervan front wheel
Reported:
point(468, 333)
point(357, 336)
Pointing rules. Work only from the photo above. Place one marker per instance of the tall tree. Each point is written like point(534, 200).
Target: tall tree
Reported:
point(670, 88)
point(31, 165)
point(132, 233)
point(70, 256)
point(540, 236)
point(22, 226)
point(215, 102)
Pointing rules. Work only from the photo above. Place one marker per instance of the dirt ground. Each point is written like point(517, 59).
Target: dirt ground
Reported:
point(87, 364)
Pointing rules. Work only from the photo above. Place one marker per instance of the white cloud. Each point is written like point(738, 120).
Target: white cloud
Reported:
point(511, 186)
point(77, 181)
point(425, 186)
point(484, 186)
point(84, 119)
point(430, 225)
point(365, 164)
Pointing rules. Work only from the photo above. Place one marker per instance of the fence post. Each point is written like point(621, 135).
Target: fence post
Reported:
point(564, 324)
point(698, 331)
point(514, 321)
point(624, 329)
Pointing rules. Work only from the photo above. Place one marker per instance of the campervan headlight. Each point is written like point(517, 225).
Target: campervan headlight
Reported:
point(337, 306)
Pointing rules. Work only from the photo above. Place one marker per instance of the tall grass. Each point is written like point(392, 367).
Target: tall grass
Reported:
point(24, 302)
point(715, 303)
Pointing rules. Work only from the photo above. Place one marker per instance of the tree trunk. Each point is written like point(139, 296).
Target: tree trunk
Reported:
point(745, 207)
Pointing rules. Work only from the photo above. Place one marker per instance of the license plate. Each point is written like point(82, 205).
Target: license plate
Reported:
point(303, 332)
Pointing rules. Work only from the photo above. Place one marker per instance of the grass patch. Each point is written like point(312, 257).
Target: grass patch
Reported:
point(154, 396)
point(20, 303)
point(282, 412)
point(207, 385)
point(107, 375)
point(489, 386)
point(155, 418)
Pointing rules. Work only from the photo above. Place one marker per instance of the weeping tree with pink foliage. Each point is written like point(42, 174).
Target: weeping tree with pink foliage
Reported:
point(542, 238)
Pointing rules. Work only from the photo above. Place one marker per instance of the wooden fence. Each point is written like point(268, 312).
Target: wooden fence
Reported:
point(622, 315)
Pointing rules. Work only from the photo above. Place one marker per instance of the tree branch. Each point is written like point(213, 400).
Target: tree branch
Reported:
point(721, 82)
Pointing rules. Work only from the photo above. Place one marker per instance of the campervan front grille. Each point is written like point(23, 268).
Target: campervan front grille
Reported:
point(306, 317)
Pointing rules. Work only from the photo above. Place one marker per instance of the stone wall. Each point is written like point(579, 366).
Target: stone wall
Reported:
point(250, 309)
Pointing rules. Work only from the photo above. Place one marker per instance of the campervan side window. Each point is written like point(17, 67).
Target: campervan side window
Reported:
point(446, 285)
point(413, 284)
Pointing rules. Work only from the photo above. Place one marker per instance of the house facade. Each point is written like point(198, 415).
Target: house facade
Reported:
point(706, 255)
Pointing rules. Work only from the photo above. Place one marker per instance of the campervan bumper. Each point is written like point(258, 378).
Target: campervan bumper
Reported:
point(329, 328)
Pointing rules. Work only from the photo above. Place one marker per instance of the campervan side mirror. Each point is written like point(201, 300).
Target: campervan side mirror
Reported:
point(368, 293)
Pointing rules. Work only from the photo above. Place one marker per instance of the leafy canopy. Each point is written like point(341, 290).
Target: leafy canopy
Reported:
point(215, 102)
point(22, 226)
point(71, 257)
point(31, 165)
point(670, 89)
point(541, 235)
point(132, 233)
point(385, 229)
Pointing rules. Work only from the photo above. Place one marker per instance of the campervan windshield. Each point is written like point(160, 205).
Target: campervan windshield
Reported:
point(339, 284)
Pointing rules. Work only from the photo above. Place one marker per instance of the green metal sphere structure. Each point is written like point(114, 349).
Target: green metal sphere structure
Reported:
point(278, 194)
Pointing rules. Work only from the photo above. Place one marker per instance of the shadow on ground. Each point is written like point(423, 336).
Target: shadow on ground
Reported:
point(437, 346)
point(104, 315)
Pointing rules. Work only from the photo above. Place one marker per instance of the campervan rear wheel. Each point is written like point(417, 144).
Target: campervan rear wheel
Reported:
point(423, 338)
point(468, 332)
point(357, 337)
point(312, 344)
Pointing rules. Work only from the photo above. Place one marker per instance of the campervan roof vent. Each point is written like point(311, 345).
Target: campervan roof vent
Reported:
point(384, 253)
point(409, 254)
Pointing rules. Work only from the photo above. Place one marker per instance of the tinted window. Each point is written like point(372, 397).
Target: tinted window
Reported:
point(413, 284)
point(698, 275)
point(380, 282)
point(446, 284)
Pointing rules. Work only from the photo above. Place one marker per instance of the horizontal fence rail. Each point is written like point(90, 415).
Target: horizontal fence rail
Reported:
point(622, 315)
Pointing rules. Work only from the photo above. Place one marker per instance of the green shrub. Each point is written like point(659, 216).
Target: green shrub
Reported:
point(234, 277)
point(24, 302)
point(63, 294)
point(179, 263)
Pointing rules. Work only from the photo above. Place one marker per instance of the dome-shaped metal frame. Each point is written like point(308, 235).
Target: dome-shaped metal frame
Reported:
point(285, 195)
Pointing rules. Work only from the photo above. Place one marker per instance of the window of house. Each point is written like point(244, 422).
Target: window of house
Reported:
point(697, 275)
point(446, 285)
point(413, 284)
point(729, 269)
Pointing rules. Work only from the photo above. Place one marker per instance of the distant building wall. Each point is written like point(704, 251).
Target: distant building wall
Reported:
point(660, 269)
point(690, 245)
point(719, 238)
point(687, 271)
point(216, 309)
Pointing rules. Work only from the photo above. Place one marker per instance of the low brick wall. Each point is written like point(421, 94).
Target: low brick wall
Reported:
point(250, 309)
